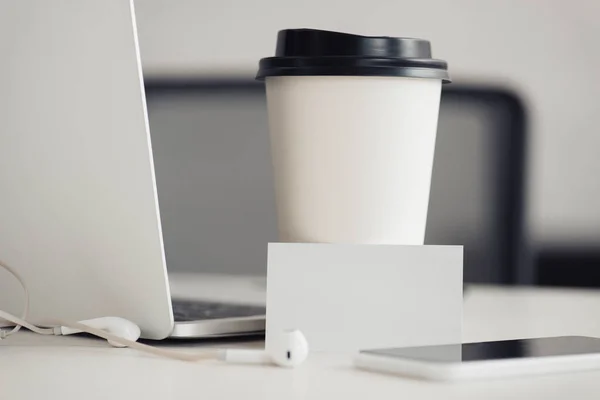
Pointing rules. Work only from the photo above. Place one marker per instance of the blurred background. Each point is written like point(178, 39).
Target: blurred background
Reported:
point(516, 173)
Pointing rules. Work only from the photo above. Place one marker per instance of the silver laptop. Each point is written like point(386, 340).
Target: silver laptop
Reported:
point(79, 212)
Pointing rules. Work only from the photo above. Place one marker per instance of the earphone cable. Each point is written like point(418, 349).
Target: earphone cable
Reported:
point(25, 314)
point(209, 354)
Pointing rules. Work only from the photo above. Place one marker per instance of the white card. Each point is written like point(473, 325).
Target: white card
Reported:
point(350, 297)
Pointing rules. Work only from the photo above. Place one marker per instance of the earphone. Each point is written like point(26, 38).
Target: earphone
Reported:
point(286, 349)
point(120, 327)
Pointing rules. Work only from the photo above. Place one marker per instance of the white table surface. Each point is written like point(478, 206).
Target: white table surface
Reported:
point(34, 367)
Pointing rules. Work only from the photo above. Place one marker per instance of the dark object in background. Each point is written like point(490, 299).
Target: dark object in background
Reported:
point(215, 186)
point(565, 266)
point(478, 183)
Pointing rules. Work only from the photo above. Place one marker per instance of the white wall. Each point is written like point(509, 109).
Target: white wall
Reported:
point(548, 51)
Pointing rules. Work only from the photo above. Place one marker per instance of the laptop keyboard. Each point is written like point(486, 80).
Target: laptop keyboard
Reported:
point(194, 310)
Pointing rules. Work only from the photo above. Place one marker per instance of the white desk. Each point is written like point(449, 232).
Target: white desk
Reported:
point(34, 367)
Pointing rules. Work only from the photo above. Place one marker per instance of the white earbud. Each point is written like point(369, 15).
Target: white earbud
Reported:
point(117, 326)
point(288, 349)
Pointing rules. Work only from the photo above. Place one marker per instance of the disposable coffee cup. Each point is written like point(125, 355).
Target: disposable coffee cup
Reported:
point(353, 123)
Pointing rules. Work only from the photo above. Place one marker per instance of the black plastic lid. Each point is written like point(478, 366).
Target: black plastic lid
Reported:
point(302, 52)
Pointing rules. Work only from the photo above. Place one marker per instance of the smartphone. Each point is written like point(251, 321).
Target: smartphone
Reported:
point(507, 358)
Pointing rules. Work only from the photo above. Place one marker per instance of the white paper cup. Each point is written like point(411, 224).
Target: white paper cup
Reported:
point(352, 154)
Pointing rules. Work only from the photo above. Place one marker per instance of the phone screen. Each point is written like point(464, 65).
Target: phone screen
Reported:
point(506, 349)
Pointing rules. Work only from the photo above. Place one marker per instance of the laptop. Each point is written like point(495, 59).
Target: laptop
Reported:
point(79, 211)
